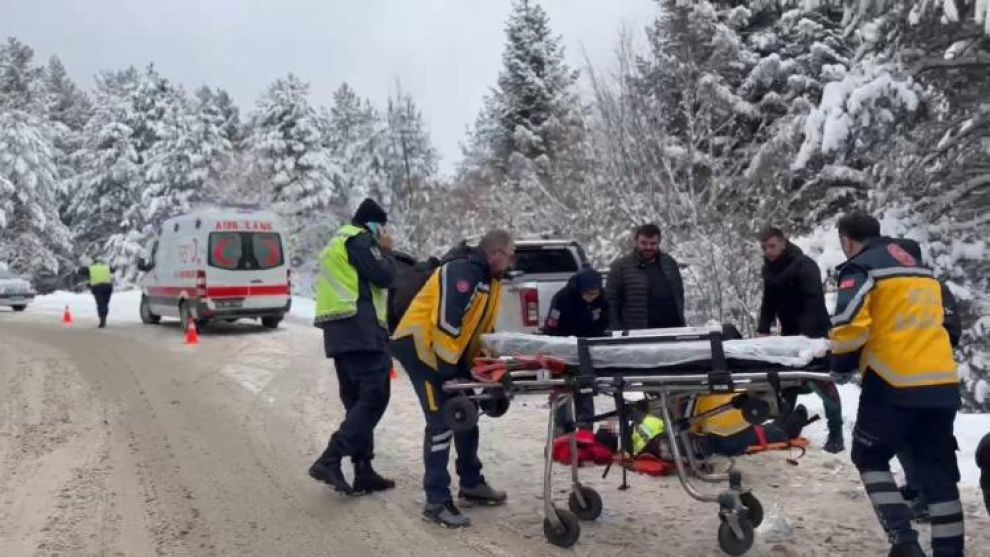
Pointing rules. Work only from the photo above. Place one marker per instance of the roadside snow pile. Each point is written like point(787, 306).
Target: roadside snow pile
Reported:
point(123, 305)
point(970, 428)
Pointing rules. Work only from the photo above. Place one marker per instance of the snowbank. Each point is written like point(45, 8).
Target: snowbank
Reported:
point(970, 428)
point(124, 307)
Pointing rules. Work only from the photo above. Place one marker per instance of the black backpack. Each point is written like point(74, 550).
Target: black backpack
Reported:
point(410, 276)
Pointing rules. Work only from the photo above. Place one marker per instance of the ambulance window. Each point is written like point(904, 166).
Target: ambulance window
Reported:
point(225, 250)
point(267, 249)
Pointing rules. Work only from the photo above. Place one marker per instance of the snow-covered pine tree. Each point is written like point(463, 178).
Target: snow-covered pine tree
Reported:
point(528, 139)
point(291, 165)
point(357, 141)
point(68, 109)
point(21, 84)
point(33, 240)
point(411, 167)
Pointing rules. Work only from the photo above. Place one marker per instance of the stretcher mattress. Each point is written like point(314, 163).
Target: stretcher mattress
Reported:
point(792, 352)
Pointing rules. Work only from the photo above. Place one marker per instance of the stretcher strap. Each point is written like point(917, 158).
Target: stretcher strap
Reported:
point(761, 435)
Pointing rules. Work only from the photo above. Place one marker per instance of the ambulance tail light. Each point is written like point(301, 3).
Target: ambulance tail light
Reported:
point(201, 284)
point(530, 300)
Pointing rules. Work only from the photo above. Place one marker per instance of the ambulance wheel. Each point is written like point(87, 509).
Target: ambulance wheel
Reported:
point(460, 413)
point(147, 317)
point(20, 307)
point(496, 406)
point(270, 322)
point(592, 508)
point(753, 508)
point(731, 544)
point(567, 533)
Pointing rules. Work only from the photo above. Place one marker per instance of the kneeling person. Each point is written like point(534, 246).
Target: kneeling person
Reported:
point(436, 340)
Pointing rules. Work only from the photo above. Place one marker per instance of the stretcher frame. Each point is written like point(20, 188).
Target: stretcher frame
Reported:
point(739, 510)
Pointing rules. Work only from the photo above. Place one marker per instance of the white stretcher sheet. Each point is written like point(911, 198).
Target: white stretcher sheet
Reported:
point(787, 351)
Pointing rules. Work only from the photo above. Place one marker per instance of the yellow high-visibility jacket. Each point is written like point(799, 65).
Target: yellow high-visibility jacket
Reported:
point(888, 325)
point(453, 309)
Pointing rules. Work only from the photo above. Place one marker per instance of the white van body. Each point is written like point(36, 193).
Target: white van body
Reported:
point(218, 264)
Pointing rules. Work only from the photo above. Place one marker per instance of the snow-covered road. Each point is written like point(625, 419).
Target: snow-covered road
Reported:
point(125, 441)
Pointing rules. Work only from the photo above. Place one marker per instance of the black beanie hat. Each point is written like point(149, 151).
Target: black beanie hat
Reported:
point(370, 211)
point(588, 279)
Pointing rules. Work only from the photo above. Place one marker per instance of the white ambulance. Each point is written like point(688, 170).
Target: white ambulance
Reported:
point(218, 264)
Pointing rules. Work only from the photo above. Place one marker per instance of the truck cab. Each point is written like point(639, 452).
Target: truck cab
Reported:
point(542, 267)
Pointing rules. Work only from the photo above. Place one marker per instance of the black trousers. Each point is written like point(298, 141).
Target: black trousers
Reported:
point(102, 293)
point(365, 390)
point(883, 430)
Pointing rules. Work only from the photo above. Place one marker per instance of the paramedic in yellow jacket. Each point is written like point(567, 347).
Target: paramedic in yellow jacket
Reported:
point(436, 340)
point(888, 327)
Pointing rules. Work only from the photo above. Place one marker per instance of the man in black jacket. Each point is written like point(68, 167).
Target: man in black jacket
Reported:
point(578, 310)
point(356, 270)
point(793, 295)
point(644, 288)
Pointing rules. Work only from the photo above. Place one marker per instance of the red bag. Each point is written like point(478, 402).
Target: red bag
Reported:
point(589, 450)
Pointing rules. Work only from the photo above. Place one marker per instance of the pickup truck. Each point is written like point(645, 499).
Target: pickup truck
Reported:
point(542, 268)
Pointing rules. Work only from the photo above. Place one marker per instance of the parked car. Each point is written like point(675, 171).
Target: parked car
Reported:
point(218, 264)
point(15, 292)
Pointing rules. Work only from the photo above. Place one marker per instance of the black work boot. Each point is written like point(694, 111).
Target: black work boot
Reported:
point(326, 469)
point(907, 549)
point(366, 480)
point(835, 443)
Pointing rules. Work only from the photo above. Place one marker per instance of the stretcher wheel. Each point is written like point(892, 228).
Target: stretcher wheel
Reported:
point(460, 413)
point(731, 544)
point(568, 532)
point(496, 406)
point(592, 508)
point(753, 508)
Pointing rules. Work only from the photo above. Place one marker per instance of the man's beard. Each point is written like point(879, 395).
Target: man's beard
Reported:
point(649, 256)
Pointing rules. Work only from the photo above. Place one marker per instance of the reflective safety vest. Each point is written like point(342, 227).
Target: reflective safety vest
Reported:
point(100, 274)
point(425, 321)
point(645, 431)
point(337, 285)
point(723, 424)
point(889, 319)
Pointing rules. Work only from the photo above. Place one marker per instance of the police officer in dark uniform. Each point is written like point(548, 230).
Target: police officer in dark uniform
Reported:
point(888, 325)
point(356, 270)
point(579, 309)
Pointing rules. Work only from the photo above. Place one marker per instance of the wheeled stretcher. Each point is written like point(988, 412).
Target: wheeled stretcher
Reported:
point(666, 367)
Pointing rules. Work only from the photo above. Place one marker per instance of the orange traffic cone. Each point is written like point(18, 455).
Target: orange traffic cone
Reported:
point(192, 336)
point(393, 375)
point(67, 316)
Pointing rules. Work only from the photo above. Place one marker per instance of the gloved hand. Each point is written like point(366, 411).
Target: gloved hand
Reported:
point(842, 378)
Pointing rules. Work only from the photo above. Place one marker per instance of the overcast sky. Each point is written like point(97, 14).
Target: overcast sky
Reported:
point(445, 52)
